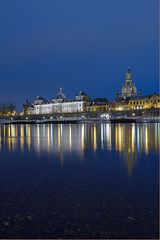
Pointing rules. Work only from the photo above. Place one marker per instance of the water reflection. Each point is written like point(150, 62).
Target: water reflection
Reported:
point(128, 140)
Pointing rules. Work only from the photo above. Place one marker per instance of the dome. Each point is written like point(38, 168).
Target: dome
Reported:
point(129, 89)
point(60, 96)
point(82, 93)
point(39, 100)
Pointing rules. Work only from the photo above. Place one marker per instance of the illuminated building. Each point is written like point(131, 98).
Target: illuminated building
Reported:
point(129, 88)
point(145, 102)
point(129, 100)
point(138, 103)
point(98, 105)
point(59, 104)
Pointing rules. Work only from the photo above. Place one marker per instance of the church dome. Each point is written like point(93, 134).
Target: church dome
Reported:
point(60, 96)
point(129, 89)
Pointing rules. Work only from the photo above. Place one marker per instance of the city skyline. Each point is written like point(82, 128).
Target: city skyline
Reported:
point(82, 90)
point(84, 45)
point(79, 119)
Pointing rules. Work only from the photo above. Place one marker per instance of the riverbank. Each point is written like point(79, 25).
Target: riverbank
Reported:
point(77, 121)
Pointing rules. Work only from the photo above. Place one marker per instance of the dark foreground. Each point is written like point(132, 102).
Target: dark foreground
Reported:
point(79, 181)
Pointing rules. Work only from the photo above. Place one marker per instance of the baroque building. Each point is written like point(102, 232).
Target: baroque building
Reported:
point(59, 104)
point(61, 97)
point(129, 99)
point(129, 88)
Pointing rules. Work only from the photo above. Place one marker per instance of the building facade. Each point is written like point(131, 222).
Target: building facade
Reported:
point(138, 103)
point(60, 107)
point(145, 102)
point(59, 104)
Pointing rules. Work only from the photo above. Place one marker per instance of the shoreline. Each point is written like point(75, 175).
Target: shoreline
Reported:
point(88, 121)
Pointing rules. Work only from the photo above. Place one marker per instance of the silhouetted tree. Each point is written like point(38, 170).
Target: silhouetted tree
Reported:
point(7, 108)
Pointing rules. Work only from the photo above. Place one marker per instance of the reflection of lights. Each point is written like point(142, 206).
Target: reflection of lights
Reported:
point(22, 137)
point(59, 136)
point(48, 136)
point(61, 130)
point(102, 136)
point(70, 137)
point(157, 134)
point(94, 138)
point(61, 151)
point(82, 137)
point(108, 135)
point(0, 138)
point(9, 131)
point(4, 130)
point(130, 140)
point(133, 137)
point(9, 137)
point(137, 140)
point(119, 137)
point(38, 137)
point(146, 140)
point(51, 134)
point(22, 131)
point(13, 130)
point(28, 133)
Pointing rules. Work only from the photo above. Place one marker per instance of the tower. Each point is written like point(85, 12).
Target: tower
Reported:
point(128, 89)
point(128, 75)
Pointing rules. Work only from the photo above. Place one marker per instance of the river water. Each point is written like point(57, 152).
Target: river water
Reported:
point(79, 181)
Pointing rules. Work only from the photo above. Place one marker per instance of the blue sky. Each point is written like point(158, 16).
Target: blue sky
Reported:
point(78, 45)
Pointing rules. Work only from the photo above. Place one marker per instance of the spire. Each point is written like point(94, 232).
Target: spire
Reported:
point(128, 75)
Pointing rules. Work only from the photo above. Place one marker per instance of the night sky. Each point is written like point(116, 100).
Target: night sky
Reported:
point(78, 45)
